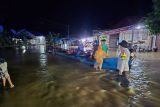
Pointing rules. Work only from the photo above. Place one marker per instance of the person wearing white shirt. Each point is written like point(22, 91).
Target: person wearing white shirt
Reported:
point(4, 73)
point(123, 57)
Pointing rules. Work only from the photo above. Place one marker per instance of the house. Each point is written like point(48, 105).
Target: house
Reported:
point(135, 34)
point(37, 39)
point(158, 42)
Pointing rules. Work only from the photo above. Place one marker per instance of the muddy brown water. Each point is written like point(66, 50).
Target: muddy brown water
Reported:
point(47, 80)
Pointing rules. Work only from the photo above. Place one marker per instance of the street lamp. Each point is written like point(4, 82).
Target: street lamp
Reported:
point(139, 26)
point(68, 30)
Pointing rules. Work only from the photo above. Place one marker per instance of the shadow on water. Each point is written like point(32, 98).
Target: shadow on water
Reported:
point(43, 79)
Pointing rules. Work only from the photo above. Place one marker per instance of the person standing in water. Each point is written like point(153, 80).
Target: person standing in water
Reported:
point(105, 47)
point(99, 56)
point(4, 73)
point(132, 57)
point(95, 45)
point(123, 58)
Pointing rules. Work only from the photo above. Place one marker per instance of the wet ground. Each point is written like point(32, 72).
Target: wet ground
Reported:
point(47, 80)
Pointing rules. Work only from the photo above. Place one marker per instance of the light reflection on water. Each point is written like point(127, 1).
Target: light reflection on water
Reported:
point(46, 80)
point(42, 58)
point(139, 82)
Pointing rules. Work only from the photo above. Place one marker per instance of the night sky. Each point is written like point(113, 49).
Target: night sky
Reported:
point(81, 15)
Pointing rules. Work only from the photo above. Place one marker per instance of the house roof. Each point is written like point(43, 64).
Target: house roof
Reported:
point(25, 33)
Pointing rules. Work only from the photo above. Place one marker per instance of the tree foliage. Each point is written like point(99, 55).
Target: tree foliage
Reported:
point(153, 19)
point(52, 37)
point(6, 37)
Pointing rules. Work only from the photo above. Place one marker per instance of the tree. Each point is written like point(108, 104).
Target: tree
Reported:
point(153, 19)
point(2, 42)
point(6, 37)
point(49, 38)
point(24, 35)
point(52, 38)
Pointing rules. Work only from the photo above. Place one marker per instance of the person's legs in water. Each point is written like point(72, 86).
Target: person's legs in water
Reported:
point(100, 66)
point(127, 75)
point(96, 66)
point(121, 69)
point(119, 77)
point(4, 81)
point(130, 67)
point(10, 82)
point(124, 74)
point(125, 79)
point(7, 77)
point(120, 72)
point(130, 64)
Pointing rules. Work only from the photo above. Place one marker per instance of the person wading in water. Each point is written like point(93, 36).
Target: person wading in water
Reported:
point(4, 73)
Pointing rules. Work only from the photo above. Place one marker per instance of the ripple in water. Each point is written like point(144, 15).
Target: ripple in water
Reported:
point(139, 82)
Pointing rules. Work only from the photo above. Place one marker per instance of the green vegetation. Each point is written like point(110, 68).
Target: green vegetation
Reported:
point(6, 38)
point(153, 19)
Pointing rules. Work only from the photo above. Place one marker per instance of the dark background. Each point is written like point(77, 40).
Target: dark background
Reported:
point(82, 15)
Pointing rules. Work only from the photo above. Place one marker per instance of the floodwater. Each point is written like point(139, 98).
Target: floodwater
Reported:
point(46, 80)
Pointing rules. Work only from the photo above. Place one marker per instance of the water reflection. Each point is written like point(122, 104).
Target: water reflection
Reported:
point(42, 49)
point(136, 83)
point(43, 61)
point(44, 82)
point(139, 82)
point(42, 57)
point(24, 51)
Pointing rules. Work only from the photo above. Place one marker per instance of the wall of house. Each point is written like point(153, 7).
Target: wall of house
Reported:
point(141, 37)
point(158, 42)
point(40, 40)
point(113, 42)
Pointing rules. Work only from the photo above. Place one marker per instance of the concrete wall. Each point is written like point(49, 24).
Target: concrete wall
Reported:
point(158, 42)
point(139, 36)
point(113, 42)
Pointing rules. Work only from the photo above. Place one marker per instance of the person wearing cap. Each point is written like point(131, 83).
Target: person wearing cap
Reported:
point(123, 57)
point(4, 73)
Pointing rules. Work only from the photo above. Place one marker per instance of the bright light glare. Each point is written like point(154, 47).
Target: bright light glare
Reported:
point(24, 51)
point(23, 47)
point(139, 26)
point(42, 49)
point(83, 40)
point(65, 46)
point(41, 37)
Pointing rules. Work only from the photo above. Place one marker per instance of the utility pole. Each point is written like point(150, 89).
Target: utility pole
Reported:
point(132, 37)
point(68, 30)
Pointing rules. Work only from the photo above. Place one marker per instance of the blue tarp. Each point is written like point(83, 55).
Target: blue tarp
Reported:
point(108, 63)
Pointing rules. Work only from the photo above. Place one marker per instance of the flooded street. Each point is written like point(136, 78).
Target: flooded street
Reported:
point(47, 80)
